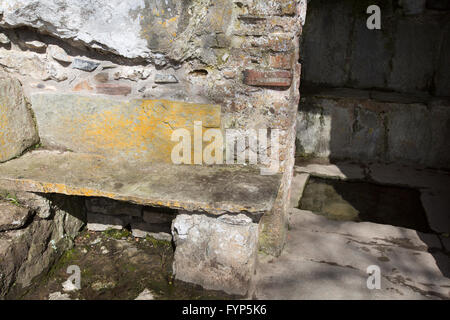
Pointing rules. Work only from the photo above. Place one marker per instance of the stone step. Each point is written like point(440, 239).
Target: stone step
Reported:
point(206, 189)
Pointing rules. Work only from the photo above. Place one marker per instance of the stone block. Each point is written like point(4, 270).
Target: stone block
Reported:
point(101, 222)
point(278, 42)
point(83, 86)
point(35, 45)
point(439, 152)
point(58, 53)
point(32, 250)
point(113, 89)
point(442, 76)
point(370, 55)
point(12, 216)
point(111, 207)
point(281, 61)
point(415, 47)
point(340, 129)
point(163, 79)
point(17, 128)
point(216, 253)
point(133, 129)
point(4, 39)
point(281, 79)
point(280, 7)
point(85, 65)
point(413, 7)
point(326, 42)
point(151, 216)
point(409, 138)
point(157, 231)
point(102, 77)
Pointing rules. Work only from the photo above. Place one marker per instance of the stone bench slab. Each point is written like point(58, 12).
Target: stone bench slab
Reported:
point(207, 189)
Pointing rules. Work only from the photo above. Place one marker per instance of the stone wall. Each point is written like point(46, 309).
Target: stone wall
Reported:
point(409, 53)
point(104, 214)
point(115, 78)
point(376, 95)
point(35, 231)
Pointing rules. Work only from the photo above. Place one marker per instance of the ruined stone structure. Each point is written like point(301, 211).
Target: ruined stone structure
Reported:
point(376, 95)
point(91, 92)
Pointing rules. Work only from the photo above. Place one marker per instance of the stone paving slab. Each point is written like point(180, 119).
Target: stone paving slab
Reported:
point(211, 189)
point(17, 129)
point(289, 279)
point(297, 187)
point(326, 259)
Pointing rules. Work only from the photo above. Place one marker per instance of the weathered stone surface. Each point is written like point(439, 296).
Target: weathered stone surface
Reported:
point(298, 186)
point(162, 78)
point(58, 53)
point(84, 65)
point(409, 136)
point(101, 222)
point(102, 77)
point(406, 55)
point(343, 127)
point(157, 231)
point(339, 269)
point(268, 78)
point(281, 61)
point(215, 253)
point(111, 207)
point(412, 7)
point(17, 128)
point(136, 129)
point(146, 29)
point(28, 252)
point(364, 70)
point(416, 44)
point(442, 78)
point(82, 86)
point(151, 216)
point(113, 89)
point(327, 128)
point(4, 39)
point(32, 65)
point(134, 73)
point(213, 189)
point(12, 216)
point(193, 40)
point(35, 45)
point(38, 203)
point(326, 39)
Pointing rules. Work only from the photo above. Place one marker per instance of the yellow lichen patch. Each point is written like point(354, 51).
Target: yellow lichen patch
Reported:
point(137, 130)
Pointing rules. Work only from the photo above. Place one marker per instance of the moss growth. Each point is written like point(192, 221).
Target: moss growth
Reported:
point(160, 244)
point(117, 234)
